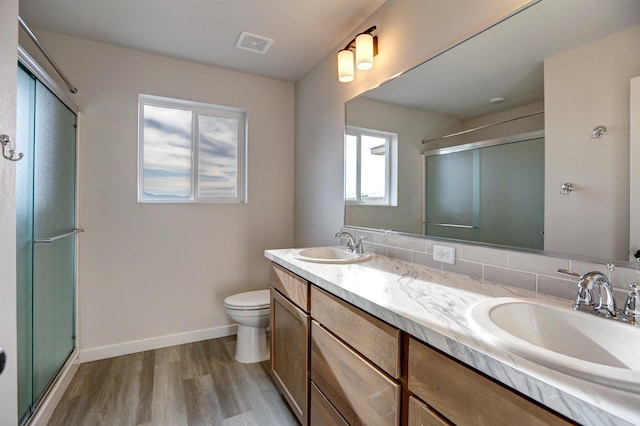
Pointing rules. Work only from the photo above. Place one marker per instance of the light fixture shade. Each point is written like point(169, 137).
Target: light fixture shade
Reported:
point(364, 51)
point(346, 72)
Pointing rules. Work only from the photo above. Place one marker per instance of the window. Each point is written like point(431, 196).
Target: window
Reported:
point(370, 167)
point(190, 152)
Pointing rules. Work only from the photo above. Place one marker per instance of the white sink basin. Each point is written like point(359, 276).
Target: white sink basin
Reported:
point(330, 255)
point(575, 343)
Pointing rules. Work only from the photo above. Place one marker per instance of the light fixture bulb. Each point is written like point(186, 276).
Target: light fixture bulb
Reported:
point(364, 51)
point(346, 71)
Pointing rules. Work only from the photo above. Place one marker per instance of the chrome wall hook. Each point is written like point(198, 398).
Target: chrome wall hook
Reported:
point(598, 132)
point(9, 154)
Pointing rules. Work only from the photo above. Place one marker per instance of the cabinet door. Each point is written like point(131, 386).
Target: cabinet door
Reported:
point(361, 393)
point(290, 353)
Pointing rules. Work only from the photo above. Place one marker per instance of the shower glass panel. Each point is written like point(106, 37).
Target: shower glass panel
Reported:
point(24, 238)
point(54, 214)
point(45, 192)
point(452, 202)
point(512, 194)
point(492, 194)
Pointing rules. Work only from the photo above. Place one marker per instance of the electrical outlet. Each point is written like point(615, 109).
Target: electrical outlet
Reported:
point(444, 254)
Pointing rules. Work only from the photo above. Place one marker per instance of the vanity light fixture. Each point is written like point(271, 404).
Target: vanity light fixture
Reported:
point(346, 71)
point(365, 46)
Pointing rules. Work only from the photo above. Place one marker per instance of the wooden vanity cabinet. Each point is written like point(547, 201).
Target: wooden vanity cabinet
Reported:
point(290, 322)
point(466, 397)
point(338, 365)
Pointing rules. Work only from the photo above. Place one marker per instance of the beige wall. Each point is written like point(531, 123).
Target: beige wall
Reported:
point(584, 88)
point(8, 79)
point(156, 274)
point(410, 31)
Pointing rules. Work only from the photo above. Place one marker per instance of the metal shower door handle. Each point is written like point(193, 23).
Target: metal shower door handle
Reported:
point(3, 359)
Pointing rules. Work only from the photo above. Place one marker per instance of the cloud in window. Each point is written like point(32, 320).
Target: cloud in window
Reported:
point(167, 151)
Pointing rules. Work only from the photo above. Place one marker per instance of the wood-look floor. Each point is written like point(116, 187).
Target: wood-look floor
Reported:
point(193, 384)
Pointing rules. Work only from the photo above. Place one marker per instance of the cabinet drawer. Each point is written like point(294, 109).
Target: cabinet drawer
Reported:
point(420, 414)
point(357, 389)
point(292, 286)
point(373, 338)
point(290, 353)
point(322, 412)
point(466, 397)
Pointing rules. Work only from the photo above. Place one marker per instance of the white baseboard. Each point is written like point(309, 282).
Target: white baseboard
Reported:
point(102, 352)
point(52, 398)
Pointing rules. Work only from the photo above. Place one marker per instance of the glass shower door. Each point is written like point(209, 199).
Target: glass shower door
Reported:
point(54, 248)
point(45, 195)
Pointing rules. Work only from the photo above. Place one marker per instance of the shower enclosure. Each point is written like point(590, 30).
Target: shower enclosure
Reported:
point(490, 191)
point(46, 246)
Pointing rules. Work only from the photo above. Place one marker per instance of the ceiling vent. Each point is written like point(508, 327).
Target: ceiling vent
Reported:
point(253, 42)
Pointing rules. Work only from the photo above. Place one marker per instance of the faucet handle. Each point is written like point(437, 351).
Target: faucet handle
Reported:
point(568, 273)
point(359, 247)
point(631, 306)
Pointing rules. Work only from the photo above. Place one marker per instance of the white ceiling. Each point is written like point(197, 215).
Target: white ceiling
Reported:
point(206, 31)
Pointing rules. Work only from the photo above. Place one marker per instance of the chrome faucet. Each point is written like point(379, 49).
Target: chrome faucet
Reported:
point(585, 300)
point(606, 304)
point(353, 245)
point(606, 297)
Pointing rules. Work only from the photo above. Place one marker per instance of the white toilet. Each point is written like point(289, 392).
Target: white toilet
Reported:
point(251, 310)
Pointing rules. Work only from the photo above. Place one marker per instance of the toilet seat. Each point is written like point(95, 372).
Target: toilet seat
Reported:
point(248, 312)
point(249, 301)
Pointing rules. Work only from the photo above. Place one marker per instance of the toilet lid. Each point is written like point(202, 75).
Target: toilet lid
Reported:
point(258, 299)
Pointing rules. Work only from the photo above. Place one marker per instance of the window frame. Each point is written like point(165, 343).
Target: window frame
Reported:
point(391, 177)
point(197, 109)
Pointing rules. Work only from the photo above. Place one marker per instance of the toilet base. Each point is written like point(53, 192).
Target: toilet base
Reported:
point(251, 344)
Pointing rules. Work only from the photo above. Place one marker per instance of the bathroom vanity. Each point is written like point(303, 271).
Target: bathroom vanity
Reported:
point(389, 342)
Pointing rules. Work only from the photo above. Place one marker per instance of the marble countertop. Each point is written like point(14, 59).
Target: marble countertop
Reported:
point(431, 305)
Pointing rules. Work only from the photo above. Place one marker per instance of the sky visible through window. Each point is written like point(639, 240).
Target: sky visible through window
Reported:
point(218, 157)
point(368, 172)
point(168, 147)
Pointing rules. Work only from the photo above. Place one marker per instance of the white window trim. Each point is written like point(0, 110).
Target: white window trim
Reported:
point(391, 167)
point(198, 109)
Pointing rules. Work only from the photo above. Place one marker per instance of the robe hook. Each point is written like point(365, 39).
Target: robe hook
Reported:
point(10, 154)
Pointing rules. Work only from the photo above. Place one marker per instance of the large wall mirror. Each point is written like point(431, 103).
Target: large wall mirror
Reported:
point(496, 140)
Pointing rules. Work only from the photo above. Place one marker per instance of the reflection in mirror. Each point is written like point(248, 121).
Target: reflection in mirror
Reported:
point(491, 192)
point(556, 70)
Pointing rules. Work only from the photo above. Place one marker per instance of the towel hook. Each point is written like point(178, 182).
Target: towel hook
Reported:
point(5, 140)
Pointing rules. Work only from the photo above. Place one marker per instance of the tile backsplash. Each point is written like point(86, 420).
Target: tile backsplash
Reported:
point(533, 272)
